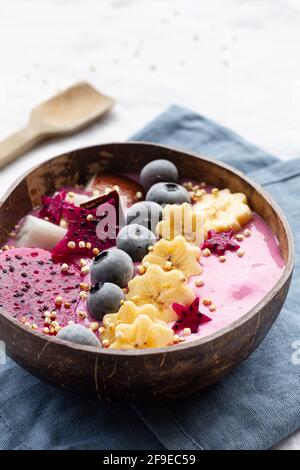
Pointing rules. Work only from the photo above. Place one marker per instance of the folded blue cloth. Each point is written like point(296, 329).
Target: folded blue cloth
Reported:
point(254, 407)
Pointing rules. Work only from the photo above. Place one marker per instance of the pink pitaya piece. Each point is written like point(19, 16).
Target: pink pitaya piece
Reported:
point(52, 207)
point(220, 242)
point(189, 317)
point(85, 226)
point(31, 282)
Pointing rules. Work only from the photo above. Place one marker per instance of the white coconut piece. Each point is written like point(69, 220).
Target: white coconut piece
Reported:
point(38, 233)
point(77, 198)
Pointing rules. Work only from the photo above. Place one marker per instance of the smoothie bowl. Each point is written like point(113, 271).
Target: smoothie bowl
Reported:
point(138, 271)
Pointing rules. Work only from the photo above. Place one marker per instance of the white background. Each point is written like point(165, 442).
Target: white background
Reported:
point(236, 61)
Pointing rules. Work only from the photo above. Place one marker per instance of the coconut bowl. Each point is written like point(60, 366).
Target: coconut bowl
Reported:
point(153, 373)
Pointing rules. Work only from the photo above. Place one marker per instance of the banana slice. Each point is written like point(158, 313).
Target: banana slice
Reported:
point(224, 210)
point(161, 289)
point(175, 254)
point(127, 313)
point(142, 333)
point(183, 219)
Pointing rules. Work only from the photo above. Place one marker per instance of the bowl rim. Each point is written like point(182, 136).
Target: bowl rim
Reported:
point(195, 343)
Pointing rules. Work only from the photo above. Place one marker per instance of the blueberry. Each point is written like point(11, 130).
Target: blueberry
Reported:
point(146, 213)
point(104, 298)
point(168, 193)
point(135, 240)
point(113, 266)
point(78, 334)
point(158, 171)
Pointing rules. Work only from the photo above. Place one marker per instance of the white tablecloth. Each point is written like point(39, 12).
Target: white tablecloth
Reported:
point(235, 61)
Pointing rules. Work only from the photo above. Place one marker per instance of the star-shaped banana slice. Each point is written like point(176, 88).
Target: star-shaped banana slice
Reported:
point(142, 333)
point(136, 327)
point(127, 313)
point(175, 254)
point(160, 288)
point(224, 210)
point(183, 219)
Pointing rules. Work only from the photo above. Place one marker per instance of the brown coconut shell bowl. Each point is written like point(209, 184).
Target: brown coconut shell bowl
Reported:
point(140, 374)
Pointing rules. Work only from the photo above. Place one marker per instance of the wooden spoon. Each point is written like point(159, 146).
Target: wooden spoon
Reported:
point(63, 114)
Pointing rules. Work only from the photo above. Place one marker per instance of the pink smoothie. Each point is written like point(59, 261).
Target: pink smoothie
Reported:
point(240, 283)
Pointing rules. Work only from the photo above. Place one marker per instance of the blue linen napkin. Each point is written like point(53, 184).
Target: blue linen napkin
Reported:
point(254, 407)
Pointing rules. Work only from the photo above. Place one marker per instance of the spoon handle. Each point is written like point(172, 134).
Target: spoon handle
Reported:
point(18, 143)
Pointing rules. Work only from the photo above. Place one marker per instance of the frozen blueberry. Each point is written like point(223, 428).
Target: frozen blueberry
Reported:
point(78, 334)
point(146, 213)
point(158, 171)
point(168, 193)
point(113, 266)
point(104, 298)
point(135, 240)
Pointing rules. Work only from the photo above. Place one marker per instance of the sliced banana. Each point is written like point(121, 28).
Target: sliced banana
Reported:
point(224, 210)
point(175, 254)
point(183, 219)
point(142, 333)
point(162, 289)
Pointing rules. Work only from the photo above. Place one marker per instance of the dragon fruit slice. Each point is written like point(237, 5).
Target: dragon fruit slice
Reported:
point(52, 207)
point(31, 283)
point(92, 226)
point(220, 242)
point(189, 316)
